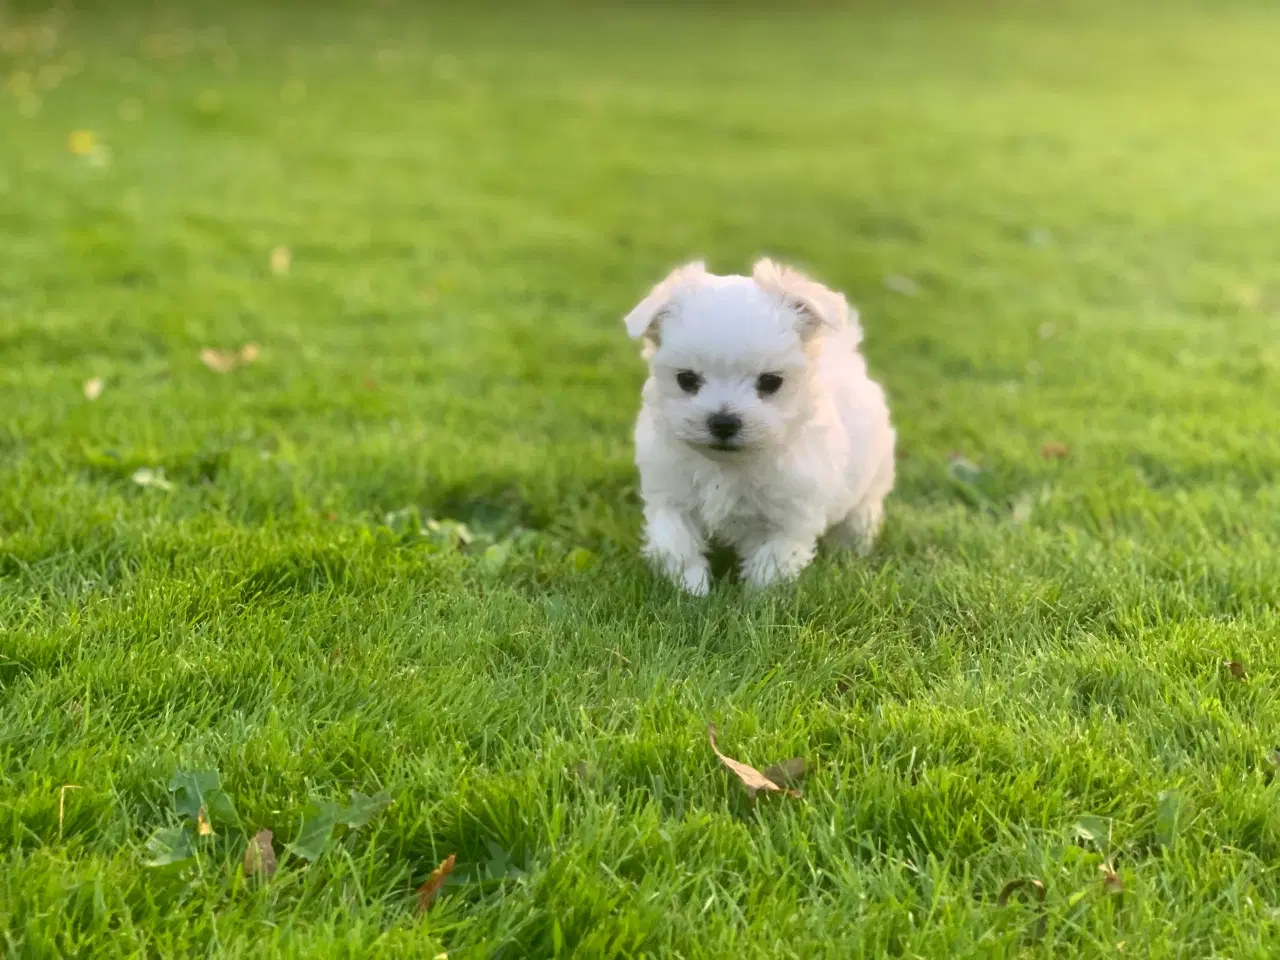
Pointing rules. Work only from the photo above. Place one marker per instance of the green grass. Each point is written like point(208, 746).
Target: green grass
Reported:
point(1087, 200)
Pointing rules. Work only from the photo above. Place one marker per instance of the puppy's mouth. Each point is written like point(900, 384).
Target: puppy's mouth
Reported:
point(719, 446)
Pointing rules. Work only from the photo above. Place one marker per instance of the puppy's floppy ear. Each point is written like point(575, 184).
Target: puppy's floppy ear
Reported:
point(646, 318)
point(818, 307)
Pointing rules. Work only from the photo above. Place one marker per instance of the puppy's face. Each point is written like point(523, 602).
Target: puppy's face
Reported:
point(730, 357)
point(730, 371)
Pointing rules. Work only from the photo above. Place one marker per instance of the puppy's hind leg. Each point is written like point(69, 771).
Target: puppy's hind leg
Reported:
point(861, 525)
point(674, 545)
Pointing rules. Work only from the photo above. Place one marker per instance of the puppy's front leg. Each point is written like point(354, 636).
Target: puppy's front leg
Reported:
point(778, 556)
point(674, 545)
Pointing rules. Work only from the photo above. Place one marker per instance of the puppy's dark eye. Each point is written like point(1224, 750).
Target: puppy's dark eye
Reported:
point(689, 381)
point(768, 384)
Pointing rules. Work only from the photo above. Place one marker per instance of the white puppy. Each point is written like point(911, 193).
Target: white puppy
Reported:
point(760, 428)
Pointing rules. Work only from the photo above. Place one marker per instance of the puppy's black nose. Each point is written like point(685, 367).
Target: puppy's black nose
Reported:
point(724, 426)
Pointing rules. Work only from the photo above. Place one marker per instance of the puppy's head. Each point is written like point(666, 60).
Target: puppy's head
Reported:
point(731, 358)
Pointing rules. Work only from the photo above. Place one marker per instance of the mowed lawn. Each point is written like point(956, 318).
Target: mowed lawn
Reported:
point(392, 547)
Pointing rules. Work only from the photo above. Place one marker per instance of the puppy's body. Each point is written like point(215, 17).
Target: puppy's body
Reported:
point(759, 427)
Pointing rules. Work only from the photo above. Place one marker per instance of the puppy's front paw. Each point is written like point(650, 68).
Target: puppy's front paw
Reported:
point(674, 546)
point(696, 581)
point(776, 560)
point(691, 574)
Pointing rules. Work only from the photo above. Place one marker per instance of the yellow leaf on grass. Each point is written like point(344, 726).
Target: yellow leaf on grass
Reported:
point(224, 361)
point(751, 778)
point(93, 388)
point(219, 361)
point(203, 826)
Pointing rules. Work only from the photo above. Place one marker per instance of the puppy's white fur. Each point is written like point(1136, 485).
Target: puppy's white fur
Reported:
point(816, 456)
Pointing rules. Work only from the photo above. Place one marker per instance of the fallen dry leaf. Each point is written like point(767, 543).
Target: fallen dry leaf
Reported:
point(1111, 881)
point(219, 361)
point(281, 261)
point(225, 361)
point(260, 855)
point(1054, 451)
point(751, 778)
point(93, 388)
point(428, 892)
point(1236, 669)
point(203, 826)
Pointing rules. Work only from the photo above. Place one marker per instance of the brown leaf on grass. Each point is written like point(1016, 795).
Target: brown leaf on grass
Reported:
point(1030, 884)
point(203, 826)
point(250, 352)
point(428, 892)
point(751, 778)
point(1111, 881)
point(1236, 669)
point(219, 361)
point(93, 388)
point(1055, 451)
point(260, 856)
